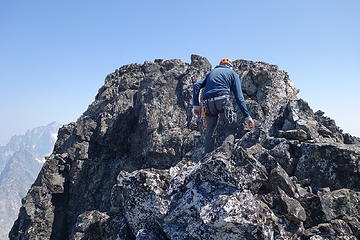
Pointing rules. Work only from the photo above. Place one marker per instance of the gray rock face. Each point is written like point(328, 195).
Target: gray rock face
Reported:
point(131, 167)
point(23, 158)
point(334, 165)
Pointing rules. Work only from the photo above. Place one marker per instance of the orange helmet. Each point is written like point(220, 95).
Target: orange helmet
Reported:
point(225, 60)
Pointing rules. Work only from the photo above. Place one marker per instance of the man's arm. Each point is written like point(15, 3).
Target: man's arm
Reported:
point(197, 87)
point(236, 89)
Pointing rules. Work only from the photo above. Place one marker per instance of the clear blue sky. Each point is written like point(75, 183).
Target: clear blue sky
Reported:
point(54, 55)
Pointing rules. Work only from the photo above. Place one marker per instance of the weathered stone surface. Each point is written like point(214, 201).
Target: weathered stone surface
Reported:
point(279, 178)
point(328, 206)
point(38, 198)
point(273, 86)
point(290, 207)
point(215, 194)
point(335, 166)
point(339, 203)
point(88, 223)
point(281, 154)
point(330, 130)
point(142, 195)
point(336, 229)
point(312, 206)
point(132, 167)
point(294, 134)
point(94, 225)
point(229, 217)
point(115, 228)
point(299, 121)
point(153, 233)
point(354, 224)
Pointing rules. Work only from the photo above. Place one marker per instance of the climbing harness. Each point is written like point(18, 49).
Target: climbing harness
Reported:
point(230, 114)
point(209, 106)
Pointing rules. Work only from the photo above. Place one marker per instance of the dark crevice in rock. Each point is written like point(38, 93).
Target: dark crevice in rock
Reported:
point(125, 125)
point(179, 91)
point(60, 227)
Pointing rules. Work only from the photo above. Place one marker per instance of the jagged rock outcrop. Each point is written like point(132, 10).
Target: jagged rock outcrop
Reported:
point(131, 166)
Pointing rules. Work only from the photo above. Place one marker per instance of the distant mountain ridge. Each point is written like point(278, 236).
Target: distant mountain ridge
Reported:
point(20, 162)
point(35, 140)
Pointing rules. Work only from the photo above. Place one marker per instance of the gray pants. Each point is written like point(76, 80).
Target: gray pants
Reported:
point(215, 112)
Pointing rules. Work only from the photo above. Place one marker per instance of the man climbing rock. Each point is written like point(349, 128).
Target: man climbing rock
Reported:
point(217, 86)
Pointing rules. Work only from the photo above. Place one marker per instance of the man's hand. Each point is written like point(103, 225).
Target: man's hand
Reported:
point(196, 111)
point(250, 122)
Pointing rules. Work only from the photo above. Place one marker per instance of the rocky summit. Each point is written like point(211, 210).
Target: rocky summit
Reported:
point(131, 167)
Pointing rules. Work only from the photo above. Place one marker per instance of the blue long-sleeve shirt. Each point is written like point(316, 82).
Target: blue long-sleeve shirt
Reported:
point(221, 80)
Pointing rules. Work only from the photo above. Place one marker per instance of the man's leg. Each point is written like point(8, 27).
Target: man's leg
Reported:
point(209, 134)
point(224, 129)
point(227, 122)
